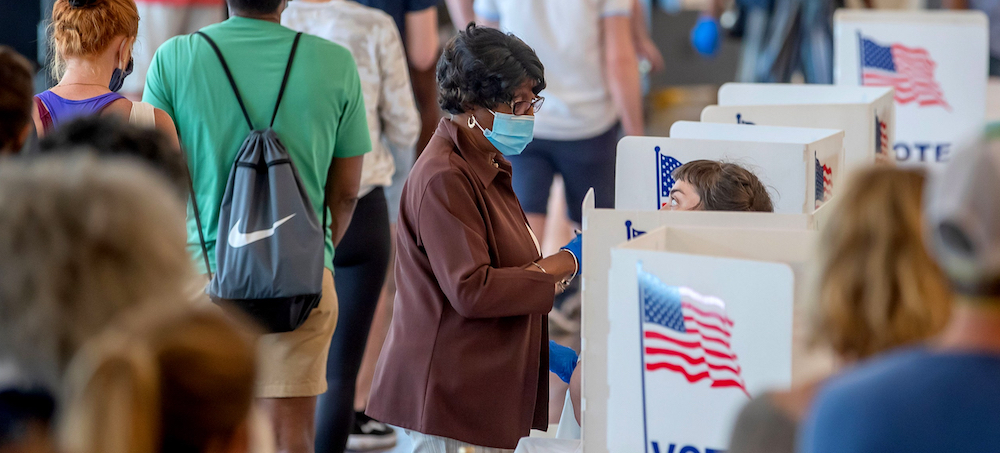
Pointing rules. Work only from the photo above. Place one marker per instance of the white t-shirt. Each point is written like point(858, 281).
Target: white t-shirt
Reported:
point(374, 42)
point(566, 35)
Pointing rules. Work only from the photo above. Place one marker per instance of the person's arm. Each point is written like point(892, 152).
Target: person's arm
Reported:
point(396, 109)
point(36, 120)
point(157, 94)
point(563, 264)
point(622, 69)
point(461, 13)
point(644, 45)
point(576, 392)
point(342, 185)
point(560, 265)
point(351, 143)
point(422, 40)
point(453, 233)
point(165, 124)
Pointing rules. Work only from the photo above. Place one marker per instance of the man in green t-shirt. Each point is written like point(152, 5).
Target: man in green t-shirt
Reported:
point(321, 121)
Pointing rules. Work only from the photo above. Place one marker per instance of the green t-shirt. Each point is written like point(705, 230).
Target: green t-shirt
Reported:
point(322, 114)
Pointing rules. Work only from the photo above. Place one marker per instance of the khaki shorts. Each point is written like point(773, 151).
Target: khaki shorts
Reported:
point(293, 364)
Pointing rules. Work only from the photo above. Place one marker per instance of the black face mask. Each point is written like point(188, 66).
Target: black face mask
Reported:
point(118, 77)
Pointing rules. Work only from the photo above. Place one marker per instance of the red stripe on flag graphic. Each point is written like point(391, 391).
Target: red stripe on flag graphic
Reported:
point(702, 351)
point(913, 77)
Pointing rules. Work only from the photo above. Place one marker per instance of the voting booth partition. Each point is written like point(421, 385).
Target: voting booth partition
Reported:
point(700, 320)
point(609, 399)
point(799, 166)
point(936, 60)
point(865, 114)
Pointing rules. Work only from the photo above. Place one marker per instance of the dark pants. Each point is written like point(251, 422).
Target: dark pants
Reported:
point(360, 265)
point(582, 163)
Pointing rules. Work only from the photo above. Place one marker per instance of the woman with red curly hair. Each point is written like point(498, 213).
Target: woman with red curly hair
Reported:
point(93, 42)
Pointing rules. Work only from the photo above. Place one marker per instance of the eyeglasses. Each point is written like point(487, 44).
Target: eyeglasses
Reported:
point(523, 107)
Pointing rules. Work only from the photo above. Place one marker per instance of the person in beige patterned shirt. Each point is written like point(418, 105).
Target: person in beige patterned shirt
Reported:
point(362, 257)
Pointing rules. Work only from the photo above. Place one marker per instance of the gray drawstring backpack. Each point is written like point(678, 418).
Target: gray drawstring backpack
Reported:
point(270, 247)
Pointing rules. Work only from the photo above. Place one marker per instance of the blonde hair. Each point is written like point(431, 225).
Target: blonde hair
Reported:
point(160, 383)
point(89, 27)
point(878, 288)
point(81, 239)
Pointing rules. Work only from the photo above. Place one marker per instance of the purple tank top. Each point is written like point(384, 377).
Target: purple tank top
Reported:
point(62, 110)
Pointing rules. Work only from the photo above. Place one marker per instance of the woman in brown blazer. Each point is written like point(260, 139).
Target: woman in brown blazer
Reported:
point(466, 360)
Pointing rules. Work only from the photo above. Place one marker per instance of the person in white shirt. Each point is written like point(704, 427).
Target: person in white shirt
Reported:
point(362, 257)
point(161, 20)
point(593, 96)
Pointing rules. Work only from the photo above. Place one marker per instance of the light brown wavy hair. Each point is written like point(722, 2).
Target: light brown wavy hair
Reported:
point(725, 186)
point(878, 288)
point(160, 382)
point(81, 240)
point(87, 27)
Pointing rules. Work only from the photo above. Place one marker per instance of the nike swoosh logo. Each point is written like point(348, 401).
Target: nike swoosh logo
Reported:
point(237, 239)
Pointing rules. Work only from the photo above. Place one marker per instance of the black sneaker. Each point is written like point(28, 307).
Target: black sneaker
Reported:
point(370, 434)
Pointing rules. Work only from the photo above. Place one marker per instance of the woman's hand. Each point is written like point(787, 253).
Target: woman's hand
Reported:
point(562, 361)
point(575, 248)
point(563, 266)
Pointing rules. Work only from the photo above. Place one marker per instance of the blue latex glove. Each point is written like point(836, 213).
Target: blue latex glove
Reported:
point(575, 247)
point(562, 361)
point(705, 36)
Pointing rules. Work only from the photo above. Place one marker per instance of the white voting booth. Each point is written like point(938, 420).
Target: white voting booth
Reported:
point(865, 114)
point(691, 232)
point(700, 320)
point(936, 60)
point(800, 166)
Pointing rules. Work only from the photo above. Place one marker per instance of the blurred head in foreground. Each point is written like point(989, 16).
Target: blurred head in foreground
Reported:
point(81, 239)
point(708, 185)
point(180, 382)
point(108, 136)
point(878, 287)
point(16, 90)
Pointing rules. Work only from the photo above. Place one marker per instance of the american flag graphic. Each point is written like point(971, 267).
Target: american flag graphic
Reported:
point(686, 333)
point(910, 70)
point(881, 137)
point(824, 182)
point(666, 166)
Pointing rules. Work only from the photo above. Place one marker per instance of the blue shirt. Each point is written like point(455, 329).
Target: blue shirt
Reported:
point(914, 401)
point(398, 9)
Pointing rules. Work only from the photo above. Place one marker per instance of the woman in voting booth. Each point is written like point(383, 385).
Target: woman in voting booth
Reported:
point(465, 363)
point(708, 185)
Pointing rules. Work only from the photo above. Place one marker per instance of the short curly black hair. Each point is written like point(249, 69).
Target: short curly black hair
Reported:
point(483, 67)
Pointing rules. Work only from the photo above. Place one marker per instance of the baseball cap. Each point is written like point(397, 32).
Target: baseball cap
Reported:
point(962, 213)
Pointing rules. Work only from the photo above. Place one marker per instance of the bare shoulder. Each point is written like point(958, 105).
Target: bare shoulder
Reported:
point(165, 124)
point(120, 108)
point(163, 120)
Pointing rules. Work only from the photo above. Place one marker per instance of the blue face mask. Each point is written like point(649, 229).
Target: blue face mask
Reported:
point(118, 77)
point(510, 133)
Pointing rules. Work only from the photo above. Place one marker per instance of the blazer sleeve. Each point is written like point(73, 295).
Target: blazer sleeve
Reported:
point(452, 232)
